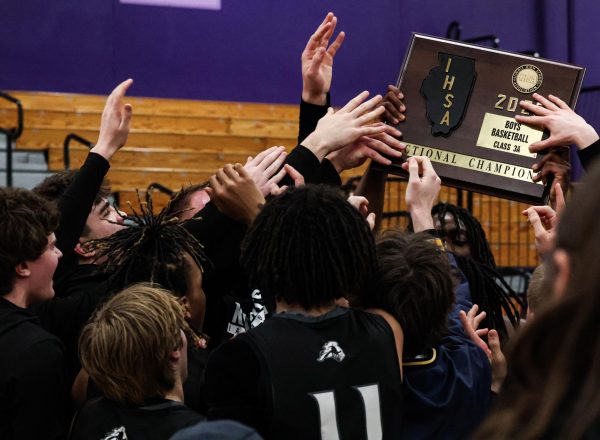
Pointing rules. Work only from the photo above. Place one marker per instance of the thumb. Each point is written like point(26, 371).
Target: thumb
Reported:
point(541, 145)
point(126, 118)
point(371, 220)
point(413, 170)
point(536, 222)
point(560, 198)
point(494, 344)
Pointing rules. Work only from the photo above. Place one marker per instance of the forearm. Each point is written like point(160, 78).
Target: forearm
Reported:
point(306, 163)
point(589, 154)
point(586, 137)
point(77, 201)
point(421, 219)
point(309, 117)
point(329, 174)
point(372, 186)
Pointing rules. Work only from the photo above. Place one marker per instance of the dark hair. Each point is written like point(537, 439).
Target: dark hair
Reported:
point(309, 246)
point(551, 389)
point(26, 221)
point(180, 200)
point(488, 288)
point(150, 249)
point(53, 187)
point(415, 285)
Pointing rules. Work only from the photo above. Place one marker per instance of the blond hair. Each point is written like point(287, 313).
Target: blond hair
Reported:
point(126, 347)
point(539, 296)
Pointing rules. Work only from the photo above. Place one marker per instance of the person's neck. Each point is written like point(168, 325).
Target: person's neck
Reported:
point(18, 297)
point(283, 306)
point(175, 393)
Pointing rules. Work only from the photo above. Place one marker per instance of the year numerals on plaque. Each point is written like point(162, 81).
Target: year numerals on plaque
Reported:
point(510, 104)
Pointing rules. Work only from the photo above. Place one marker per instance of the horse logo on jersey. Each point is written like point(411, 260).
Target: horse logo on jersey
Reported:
point(116, 434)
point(331, 350)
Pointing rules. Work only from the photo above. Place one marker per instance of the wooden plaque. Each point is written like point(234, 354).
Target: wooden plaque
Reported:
point(461, 100)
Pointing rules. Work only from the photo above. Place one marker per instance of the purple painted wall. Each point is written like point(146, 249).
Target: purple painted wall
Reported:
point(250, 50)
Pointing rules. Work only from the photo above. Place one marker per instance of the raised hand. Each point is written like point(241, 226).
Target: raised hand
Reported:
point(235, 194)
point(545, 221)
point(394, 107)
point(362, 205)
point(421, 192)
point(565, 126)
point(369, 147)
point(266, 168)
point(114, 126)
point(338, 129)
point(556, 163)
point(294, 174)
point(470, 322)
point(498, 361)
point(317, 61)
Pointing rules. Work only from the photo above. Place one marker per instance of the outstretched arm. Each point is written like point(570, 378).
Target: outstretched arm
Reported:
point(76, 203)
point(394, 107)
point(544, 221)
point(421, 192)
point(470, 322)
point(235, 194)
point(378, 147)
point(338, 129)
point(333, 132)
point(317, 71)
point(565, 126)
point(317, 61)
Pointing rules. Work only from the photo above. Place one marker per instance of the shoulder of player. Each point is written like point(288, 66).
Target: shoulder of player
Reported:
point(32, 341)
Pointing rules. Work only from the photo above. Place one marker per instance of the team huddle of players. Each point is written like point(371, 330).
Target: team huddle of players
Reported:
point(264, 303)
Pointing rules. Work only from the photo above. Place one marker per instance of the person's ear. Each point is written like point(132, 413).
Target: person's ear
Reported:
point(82, 253)
point(176, 355)
point(186, 306)
point(562, 267)
point(23, 270)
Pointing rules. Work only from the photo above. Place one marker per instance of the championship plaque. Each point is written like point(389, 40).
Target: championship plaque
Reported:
point(461, 100)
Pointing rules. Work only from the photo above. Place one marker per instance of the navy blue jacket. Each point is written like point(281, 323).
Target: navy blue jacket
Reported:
point(447, 391)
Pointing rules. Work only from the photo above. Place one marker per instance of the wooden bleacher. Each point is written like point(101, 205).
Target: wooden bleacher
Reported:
point(178, 142)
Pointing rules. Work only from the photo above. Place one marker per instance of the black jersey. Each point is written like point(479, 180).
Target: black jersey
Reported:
point(103, 419)
point(335, 376)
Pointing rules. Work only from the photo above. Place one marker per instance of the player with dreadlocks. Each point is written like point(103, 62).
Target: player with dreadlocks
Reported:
point(465, 237)
point(307, 248)
point(159, 250)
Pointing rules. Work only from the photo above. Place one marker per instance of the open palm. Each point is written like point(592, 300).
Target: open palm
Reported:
point(317, 61)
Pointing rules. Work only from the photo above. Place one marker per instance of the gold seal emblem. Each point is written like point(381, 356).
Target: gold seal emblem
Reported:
point(527, 78)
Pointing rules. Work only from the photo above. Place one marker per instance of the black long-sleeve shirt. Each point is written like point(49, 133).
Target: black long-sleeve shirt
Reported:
point(589, 154)
point(224, 282)
point(324, 172)
point(33, 384)
point(75, 206)
point(79, 288)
